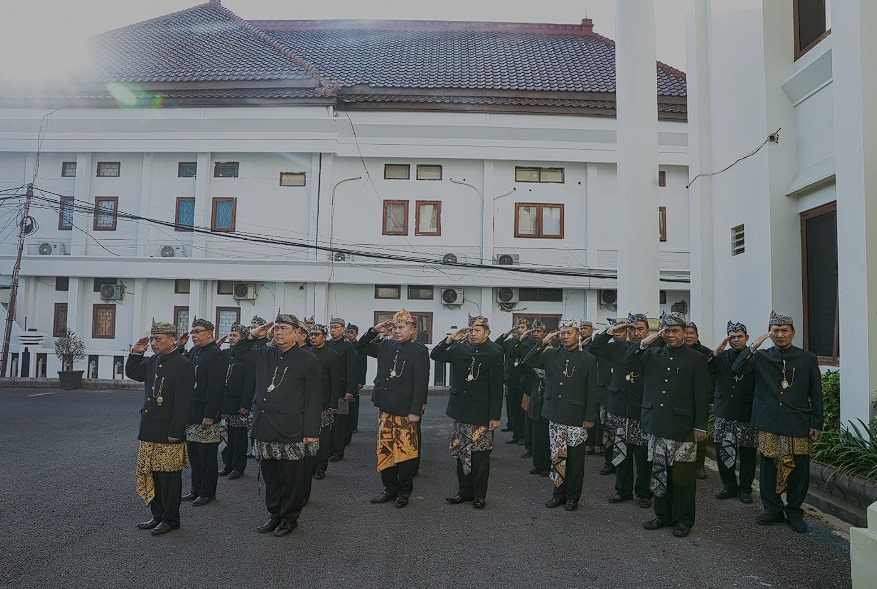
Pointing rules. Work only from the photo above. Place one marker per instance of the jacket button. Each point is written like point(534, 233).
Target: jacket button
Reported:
point(561, 384)
point(662, 405)
point(159, 365)
point(781, 404)
point(147, 410)
point(666, 380)
point(264, 398)
point(559, 396)
point(668, 369)
point(663, 392)
point(732, 396)
point(781, 392)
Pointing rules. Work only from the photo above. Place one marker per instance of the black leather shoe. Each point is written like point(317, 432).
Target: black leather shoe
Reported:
point(199, 501)
point(336, 457)
point(527, 453)
point(384, 497)
point(645, 502)
point(619, 498)
point(554, 502)
point(507, 428)
point(148, 525)
point(479, 503)
point(522, 443)
point(571, 505)
point(607, 469)
point(188, 497)
point(544, 473)
point(235, 474)
point(766, 519)
point(746, 498)
point(701, 473)
point(162, 528)
point(284, 528)
point(225, 472)
point(798, 525)
point(456, 499)
point(401, 501)
point(268, 526)
point(726, 493)
point(535, 470)
point(512, 441)
point(655, 524)
point(320, 474)
point(681, 530)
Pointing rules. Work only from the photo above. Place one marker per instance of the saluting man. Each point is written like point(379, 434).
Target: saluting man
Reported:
point(475, 405)
point(236, 405)
point(787, 414)
point(167, 379)
point(341, 428)
point(400, 391)
point(330, 363)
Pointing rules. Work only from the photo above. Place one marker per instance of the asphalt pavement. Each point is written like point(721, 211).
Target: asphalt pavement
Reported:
point(68, 509)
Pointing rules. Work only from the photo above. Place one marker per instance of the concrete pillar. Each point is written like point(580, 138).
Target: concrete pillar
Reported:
point(74, 297)
point(82, 193)
point(489, 190)
point(140, 324)
point(863, 552)
point(321, 194)
point(637, 122)
point(203, 209)
point(144, 247)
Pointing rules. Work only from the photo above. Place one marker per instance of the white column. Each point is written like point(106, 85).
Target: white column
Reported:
point(74, 313)
point(144, 247)
point(854, 66)
point(203, 208)
point(140, 324)
point(637, 123)
point(82, 193)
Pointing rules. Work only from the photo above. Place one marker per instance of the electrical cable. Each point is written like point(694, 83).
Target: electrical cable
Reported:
point(773, 137)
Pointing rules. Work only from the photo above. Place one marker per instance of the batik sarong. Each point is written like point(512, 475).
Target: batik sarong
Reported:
point(209, 434)
point(730, 434)
point(157, 457)
point(662, 454)
point(783, 449)
point(560, 436)
point(397, 440)
point(467, 438)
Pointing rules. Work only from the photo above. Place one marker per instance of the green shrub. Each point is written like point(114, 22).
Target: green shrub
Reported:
point(852, 451)
point(831, 400)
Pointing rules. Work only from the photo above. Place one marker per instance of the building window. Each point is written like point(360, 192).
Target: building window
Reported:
point(225, 318)
point(182, 286)
point(225, 287)
point(388, 291)
point(65, 213)
point(662, 178)
point(105, 209)
point(428, 217)
point(429, 172)
point(226, 169)
point(812, 23)
point(68, 169)
point(59, 325)
point(292, 178)
point(62, 283)
point(738, 240)
point(185, 215)
point(224, 214)
point(187, 169)
point(543, 295)
point(397, 172)
point(552, 322)
point(424, 323)
point(662, 223)
point(549, 175)
point(181, 320)
point(103, 322)
point(395, 217)
point(99, 282)
point(109, 169)
point(539, 220)
point(819, 259)
point(420, 293)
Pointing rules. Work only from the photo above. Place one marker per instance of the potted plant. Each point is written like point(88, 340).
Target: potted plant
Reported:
point(69, 348)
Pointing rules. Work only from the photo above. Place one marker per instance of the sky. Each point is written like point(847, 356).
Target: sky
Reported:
point(38, 37)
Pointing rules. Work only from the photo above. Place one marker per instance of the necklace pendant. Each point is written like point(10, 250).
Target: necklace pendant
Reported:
point(271, 387)
point(785, 384)
point(470, 378)
point(159, 400)
point(627, 378)
point(516, 362)
point(196, 386)
point(392, 374)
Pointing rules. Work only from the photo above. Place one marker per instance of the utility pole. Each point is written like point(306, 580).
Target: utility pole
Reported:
point(16, 272)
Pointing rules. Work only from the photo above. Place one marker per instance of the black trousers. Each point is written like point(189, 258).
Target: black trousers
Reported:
point(746, 458)
point(541, 446)
point(701, 454)
point(516, 414)
point(637, 461)
point(595, 434)
point(416, 461)
point(474, 484)
point(528, 431)
point(234, 455)
point(571, 488)
point(352, 420)
point(204, 462)
point(796, 487)
point(307, 477)
point(399, 480)
point(339, 433)
point(677, 506)
point(165, 506)
point(321, 460)
point(285, 488)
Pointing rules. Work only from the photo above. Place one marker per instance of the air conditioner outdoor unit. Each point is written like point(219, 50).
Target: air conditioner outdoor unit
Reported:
point(452, 297)
point(111, 292)
point(608, 298)
point(48, 248)
point(507, 295)
point(172, 251)
point(449, 259)
point(340, 257)
point(680, 307)
point(244, 292)
point(508, 259)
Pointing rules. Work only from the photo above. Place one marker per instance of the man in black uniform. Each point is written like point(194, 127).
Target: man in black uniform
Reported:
point(674, 413)
point(787, 415)
point(570, 406)
point(400, 391)
point(607, 362)
point(475, 405)
point(531, 340)
point(349, 391)
point(255, 322)
point(202, 433)
point(236, 404)
point(361, 370)
point(330, 363)
point(286, 422)
point(168, 379)
point(511, 347)
point(732, 406)
point(539, 436)
point(692, 340)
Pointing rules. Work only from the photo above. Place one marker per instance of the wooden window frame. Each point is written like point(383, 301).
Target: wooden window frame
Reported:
point(97, 212)
point(223, 309)
point(177, 289)
point(539, 207)
point(219, 286)
point(408, 166)
point(662, 224)
point(234, 213)
point(94, 312)
point(416, 286)
point(440, 172)
point(177, 225)
point(821, 360)
point(57, 328)
point(396, 286)
point(64, 166)
point(64, 203)
point(217, 165)
point(98, 174)
point(181, 329)
point(428, 340)
point(801, 51)
point(302, 175)
point(384, 229)
point(438, 220)
point(540, 170)
point(181, 165)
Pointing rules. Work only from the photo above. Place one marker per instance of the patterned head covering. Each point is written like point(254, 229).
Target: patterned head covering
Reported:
point(256, 320)
point(585, 323)
point(162, 327)
point(637, 317)
point(338, 320)
point(523, 321)
point(309, 321)
point(241, 329)
point(537, 324)
point(202, 323)
point(736, 327)
point(352, 327)
point(672, 320)
point(479, 321)
point(776, 319)
point(319, 328)
point(564, 323)
point(288, 319)
point(404, 316)
point(691, 325)
point(613, 321)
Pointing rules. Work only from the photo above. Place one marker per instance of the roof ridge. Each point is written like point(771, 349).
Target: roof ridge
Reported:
point(585, 28)
point(158, 18)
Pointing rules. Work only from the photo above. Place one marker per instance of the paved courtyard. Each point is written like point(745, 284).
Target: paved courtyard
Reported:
point(68, 508)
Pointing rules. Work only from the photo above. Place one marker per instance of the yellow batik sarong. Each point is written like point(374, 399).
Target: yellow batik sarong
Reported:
point(155, 457)
point(397, 440)
point(782, 449)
